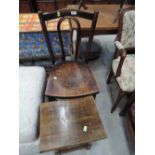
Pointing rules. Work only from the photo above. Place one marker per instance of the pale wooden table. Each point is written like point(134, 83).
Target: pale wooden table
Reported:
point(107, 15)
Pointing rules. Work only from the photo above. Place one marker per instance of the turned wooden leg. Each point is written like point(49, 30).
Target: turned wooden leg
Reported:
point(126, 108)
point(51, 98)
point(119, 97)
point(88, 146)
point(94, 96)
point(109, 77)
point(58, 153)
point(82, 4)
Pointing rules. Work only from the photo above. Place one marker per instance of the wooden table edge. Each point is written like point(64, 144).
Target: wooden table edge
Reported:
point(72, 145)
point(80, 143)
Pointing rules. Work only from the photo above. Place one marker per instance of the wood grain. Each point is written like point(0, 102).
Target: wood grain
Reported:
point(73, 80)
point(61, 123)
point(70, 79)
point(107, 14)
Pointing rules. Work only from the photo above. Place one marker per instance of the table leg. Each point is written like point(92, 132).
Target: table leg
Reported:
point(126, 108)
point(51, 98)
point(88, 146)
point(94, 96)
point(82, 4)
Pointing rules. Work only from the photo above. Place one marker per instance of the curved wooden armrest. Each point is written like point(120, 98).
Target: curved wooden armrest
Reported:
point(118, 45)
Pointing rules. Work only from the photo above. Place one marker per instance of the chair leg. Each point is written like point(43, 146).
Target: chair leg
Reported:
point(51, 98)
point(119, 97)
point(94, 96)
point(126, 108)
point(109, 77)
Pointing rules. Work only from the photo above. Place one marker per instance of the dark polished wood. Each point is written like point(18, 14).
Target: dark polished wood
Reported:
point(70, 79)
point(71, 15)
point(131, 129)
point(126, 111)
point(62, 122)
point(126, 108)
point(119, 97)
point(73, 80)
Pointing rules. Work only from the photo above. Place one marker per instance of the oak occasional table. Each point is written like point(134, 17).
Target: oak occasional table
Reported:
point(62, 122)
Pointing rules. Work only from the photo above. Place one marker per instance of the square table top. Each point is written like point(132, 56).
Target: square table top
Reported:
point(29, 22)
point(62, 122)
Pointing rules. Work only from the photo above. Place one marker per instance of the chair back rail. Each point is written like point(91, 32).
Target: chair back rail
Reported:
point(70, 14)
point(78, 36)
point(45, 33)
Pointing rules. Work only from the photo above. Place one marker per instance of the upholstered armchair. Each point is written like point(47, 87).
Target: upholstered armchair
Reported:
point(123, 64)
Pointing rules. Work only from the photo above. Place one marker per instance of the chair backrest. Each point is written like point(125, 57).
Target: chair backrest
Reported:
point(126, 33)
point(78, 39)
point(71, 16)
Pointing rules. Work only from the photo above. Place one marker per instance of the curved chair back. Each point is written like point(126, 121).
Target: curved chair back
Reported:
point(71, 15)
point(78, 36)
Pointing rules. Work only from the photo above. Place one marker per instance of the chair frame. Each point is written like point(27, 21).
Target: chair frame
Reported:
point(125, 112)
point(122, 53)
point(70, 13)
point(82, 4)
point(82, 68)
point(78, 36)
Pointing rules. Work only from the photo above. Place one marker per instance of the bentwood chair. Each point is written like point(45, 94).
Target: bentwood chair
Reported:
point(123, 64)
point(69, 78)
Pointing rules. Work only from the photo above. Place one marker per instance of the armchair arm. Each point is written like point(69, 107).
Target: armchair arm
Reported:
point(122, 54)
point(118, 45)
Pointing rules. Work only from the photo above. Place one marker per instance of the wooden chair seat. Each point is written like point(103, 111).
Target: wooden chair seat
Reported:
point(71, 79)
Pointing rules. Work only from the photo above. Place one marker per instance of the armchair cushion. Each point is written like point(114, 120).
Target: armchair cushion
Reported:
point(126, 80)
point(31, 84)
point(128, 30)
